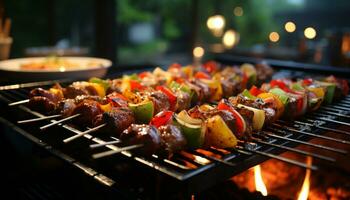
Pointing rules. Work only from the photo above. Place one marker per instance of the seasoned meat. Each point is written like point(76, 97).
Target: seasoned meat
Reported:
point(229, 119)
point(88, 110)
point(171, 139)
point(81, 98)
point(160, 101)
point(270, 115)
point(248, 118)
point(115, 86)
point(147, 135)
point(117, 100)
point(71, 92)
point(118, 119)
point(228, 88)
point(66, 107)
point(79, 88)
point(264, 72)
point(291, 109)
point(204, 93)
point(43, 100)
point(42, 104)
point(240, 99)
point(183, 100)
point(54, 97)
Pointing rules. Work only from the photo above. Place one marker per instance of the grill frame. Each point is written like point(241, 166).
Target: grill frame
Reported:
point(190, 182)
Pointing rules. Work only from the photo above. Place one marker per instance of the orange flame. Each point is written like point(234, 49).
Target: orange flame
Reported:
point(259, 183)
point(304, 192)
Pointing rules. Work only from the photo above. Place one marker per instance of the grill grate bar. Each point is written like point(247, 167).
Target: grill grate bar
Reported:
point(306, 153)
point(309, 134)
point(322, 127)
point(341, 151)
point(167, 165)
point(284, 159)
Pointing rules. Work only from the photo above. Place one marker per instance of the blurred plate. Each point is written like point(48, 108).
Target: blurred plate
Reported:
point(68, 68)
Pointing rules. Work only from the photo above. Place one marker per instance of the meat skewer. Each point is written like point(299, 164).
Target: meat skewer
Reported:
point(250, 112)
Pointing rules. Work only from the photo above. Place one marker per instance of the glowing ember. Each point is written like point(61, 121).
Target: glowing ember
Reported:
point(304, 193)
point(259, 183)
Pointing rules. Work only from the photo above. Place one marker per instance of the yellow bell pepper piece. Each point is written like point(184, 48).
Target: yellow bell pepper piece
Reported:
point(219, 134)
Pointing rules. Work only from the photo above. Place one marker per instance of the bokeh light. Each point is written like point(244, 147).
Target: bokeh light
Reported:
point(310, 33)
point(230, 38)
point(238, 11)
point(290, 27)
point(274, 37)
point(198, 52)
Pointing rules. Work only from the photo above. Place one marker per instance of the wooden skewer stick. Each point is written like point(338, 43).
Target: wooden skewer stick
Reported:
point(18, 102)
point(93, 146)
point(38, 119)
point(112, 152)
point(59, 121)
point(83, 133)
point(219, 160)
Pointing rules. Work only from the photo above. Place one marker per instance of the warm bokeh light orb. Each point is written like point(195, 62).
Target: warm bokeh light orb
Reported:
point(290, 27)
point(216, 22)
point(198, 52)
point(229, 39)
point(274, 37)
point(310, 33)
point(238, 11)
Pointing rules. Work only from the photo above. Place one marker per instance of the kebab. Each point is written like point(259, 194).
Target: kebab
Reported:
point(224, 125)
point(53, 99)
point(255, 126)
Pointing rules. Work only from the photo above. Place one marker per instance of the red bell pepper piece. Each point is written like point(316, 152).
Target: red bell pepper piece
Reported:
point(307, 81)
point(171, 96)
point(162, 118)
point(210, 66)
point(280, 84)
point(255, 91)
point(201, 75)
point(135, 85)
point(240, 123)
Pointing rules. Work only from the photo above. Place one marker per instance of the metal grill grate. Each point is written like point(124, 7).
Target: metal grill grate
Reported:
point(189, 167)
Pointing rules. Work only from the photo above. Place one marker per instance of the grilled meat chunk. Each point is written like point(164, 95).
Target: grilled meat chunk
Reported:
point(147, 135)
point(79, 88)
point(66, 107)
point(44, 101)
point(160, 101)
point(117, 120)
point(41, 104)
point(264, 72)
point(183, 100)
point(172, 139)
point(248, 118)
point(203, 91)
point(88, 110)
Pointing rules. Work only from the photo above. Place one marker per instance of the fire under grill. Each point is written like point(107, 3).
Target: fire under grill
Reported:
point(193, 170)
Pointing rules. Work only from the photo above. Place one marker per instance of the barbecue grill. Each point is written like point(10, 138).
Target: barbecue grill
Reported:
point(186, 173)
